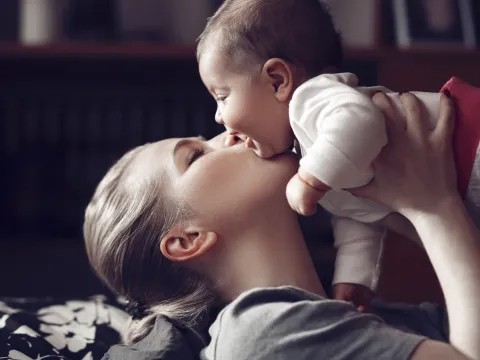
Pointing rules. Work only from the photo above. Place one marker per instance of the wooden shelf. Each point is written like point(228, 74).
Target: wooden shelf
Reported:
point(389, 53)
point(185, 52)
point(98, 50)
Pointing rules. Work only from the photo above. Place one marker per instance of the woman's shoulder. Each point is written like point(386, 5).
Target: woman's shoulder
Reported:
point(267, 295)
point(265, 304)
point(164, 341)
point(296, 323)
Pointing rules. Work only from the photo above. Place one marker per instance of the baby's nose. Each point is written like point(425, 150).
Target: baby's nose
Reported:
point(218, 117)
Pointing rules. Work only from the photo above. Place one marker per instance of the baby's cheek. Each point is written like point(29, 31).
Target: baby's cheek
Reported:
point(242, 121)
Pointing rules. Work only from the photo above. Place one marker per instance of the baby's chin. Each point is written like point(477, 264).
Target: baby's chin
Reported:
point(287, 161)
point(267, 152)
point(264, 153)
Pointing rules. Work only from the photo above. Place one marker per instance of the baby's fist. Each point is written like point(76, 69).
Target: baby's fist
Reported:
point(301, 197)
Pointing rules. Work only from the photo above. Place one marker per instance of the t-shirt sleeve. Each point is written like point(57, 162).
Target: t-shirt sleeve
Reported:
point(284, 323)
point(341, 129)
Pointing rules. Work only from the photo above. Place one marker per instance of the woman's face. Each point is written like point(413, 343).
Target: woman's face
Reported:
point(221, 184)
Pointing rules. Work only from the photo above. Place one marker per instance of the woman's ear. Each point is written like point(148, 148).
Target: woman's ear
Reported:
point(182, 245)
point(279, 75)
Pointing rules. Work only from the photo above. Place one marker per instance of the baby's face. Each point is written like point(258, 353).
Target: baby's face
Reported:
point(247, 106)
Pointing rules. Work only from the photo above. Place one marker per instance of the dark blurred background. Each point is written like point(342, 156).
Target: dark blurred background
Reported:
point(82, 81)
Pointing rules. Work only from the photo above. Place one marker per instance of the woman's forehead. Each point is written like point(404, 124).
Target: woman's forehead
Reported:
point(157, 152)
point(155, 158)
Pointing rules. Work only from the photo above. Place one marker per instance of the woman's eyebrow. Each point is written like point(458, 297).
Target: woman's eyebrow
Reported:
point(184, 142)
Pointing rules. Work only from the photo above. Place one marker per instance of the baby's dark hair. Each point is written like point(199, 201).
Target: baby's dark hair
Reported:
point(252, 31)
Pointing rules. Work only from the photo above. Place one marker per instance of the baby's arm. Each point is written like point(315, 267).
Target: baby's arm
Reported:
point(341, 129)
point(357, 266)
point(304, 191)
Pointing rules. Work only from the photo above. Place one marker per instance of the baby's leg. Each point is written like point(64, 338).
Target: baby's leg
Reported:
point(359, 252)
point(401, 225)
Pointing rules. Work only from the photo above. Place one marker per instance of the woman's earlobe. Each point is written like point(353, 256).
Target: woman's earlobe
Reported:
point(180, 245)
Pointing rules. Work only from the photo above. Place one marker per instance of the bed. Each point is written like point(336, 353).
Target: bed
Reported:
point(46, 328)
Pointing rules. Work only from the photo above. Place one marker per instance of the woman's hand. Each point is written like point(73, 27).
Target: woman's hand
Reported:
point(415, 175)
point(416, 170)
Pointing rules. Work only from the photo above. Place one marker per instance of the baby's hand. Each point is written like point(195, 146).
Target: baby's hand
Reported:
point(303, 193)
point(360, 296)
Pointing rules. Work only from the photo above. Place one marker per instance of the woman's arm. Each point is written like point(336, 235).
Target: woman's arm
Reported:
point(451, 241)
point(415, 175)
point(430, 349)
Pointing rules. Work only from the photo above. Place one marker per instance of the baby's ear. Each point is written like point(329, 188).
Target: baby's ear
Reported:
point(279, 75)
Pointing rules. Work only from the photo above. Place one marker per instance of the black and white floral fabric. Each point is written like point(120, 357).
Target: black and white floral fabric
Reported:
point(33, 329)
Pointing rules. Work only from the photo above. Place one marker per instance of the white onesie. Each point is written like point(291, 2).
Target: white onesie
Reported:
point(341, 132)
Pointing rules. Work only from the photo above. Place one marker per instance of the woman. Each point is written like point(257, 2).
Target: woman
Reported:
point(184, 225)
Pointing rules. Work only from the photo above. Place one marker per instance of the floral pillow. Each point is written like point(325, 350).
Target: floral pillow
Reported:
point(51, 329)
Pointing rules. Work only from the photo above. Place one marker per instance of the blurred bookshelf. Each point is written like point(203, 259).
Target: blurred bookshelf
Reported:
point(171, 51)
point(416, 68)
point(131, 50)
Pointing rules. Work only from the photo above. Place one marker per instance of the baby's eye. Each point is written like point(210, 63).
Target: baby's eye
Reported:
point(221, 98)
point(196, 154)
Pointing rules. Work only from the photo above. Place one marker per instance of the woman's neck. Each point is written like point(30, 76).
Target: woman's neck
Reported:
point(270, 252)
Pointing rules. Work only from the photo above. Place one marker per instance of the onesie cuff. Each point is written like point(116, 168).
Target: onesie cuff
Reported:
point(332, 167)
point(353, 269)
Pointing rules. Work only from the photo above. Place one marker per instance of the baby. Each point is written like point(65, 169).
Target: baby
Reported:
point(270, 65)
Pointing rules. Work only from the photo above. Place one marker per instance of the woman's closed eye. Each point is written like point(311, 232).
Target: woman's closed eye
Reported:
point(195, 154)
point(186, 151)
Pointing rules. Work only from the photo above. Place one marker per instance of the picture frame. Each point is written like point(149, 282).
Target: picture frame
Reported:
point(434, 23)
point(358, 21)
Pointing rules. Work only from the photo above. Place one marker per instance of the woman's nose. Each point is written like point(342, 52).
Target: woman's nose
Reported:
point(223, 140)
point(218, 141)
point(232, 140)
point(249, 143)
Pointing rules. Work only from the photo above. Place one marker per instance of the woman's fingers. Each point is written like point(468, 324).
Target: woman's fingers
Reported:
point(395, 126)
point(394, 122)
point(416, 122)
point(446, 122)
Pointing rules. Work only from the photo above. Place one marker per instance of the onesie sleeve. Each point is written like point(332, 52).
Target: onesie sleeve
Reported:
point(340, 128)
point(359, 252)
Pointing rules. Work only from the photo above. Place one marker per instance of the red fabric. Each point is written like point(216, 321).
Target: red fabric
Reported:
point(467, 128)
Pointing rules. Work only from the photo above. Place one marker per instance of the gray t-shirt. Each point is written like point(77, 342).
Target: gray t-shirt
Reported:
point(289, 323)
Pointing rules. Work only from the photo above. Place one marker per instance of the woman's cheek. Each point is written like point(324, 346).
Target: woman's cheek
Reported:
point(210, 174)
